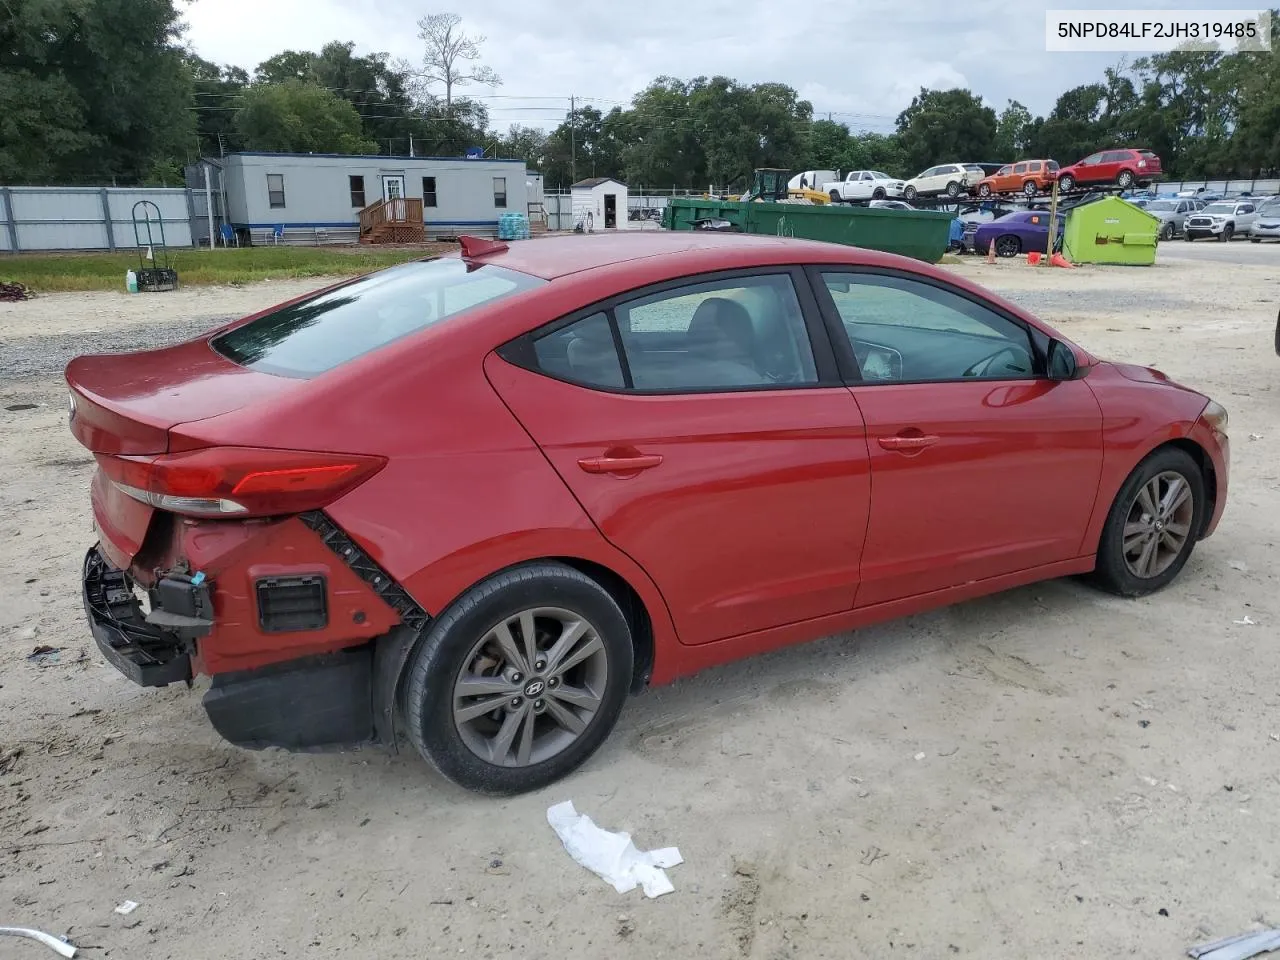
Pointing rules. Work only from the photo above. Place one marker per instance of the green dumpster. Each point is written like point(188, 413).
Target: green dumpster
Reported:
point(922, 234)
point(1111, 230)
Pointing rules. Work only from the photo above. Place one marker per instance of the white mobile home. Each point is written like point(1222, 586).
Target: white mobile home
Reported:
point(318, 197)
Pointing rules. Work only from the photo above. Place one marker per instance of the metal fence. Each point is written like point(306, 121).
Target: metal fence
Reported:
point(1258, 188)
point(91, 218)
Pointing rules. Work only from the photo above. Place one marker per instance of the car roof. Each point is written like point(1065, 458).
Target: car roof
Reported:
point(552, 257)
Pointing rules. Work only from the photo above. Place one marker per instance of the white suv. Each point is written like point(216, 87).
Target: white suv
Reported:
point(953, 179)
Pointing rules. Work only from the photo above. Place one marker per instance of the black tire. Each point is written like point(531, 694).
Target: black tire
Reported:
point(953, 189)
point(1066, 183)
point(1112, 573)
point(1007, 245)
point(984, 190)
point(1166, 232)
point(878, 193)
point(432, 671)
point(1188, 237)
point(1255, 239)
point(1030, 189)
point(1124, 179)
point(909, 193)
point(835, 196)
point(1227, 233)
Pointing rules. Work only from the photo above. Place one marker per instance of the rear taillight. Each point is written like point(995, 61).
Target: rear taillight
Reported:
point(1142, 164)
point(239, 481)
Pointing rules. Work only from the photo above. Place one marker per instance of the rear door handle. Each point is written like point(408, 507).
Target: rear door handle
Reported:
point(907, 444)
point(641, 461)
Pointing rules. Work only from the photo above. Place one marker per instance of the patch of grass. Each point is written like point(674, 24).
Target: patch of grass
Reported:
point(46, 273)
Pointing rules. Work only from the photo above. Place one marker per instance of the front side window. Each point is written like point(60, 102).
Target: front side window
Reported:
point(275, 190)
point(307, 338)
point(905, 330)
point(698, 338)
point(428, 191)
point(357, 191)
point(499, 191)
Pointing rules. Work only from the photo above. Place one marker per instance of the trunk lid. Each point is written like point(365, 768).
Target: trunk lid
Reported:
point(126, 404)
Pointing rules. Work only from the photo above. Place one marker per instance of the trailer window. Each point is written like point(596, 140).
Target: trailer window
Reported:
point(306, 338)
point(499, 191)
point(357, 191)
point(428, 191)
point(275, 190)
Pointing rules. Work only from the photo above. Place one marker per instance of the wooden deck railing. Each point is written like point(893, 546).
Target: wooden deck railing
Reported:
point(397, 210)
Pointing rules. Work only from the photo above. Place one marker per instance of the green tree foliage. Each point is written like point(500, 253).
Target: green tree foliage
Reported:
point(1013, 132)
point(92, 90)
point(299, 117)
point(946, 126)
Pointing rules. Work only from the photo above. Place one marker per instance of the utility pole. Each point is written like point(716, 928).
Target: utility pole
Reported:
point(573, 141)
point(411, 143)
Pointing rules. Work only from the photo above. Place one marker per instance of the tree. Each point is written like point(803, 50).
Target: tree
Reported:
point(449, 54)
point(1012, 131)
point(217, 92)
point(298, 117)
point(93, 92)
point(946, 126)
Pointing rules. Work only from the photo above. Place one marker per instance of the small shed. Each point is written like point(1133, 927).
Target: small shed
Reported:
point(1111, 230)
point(599, 203)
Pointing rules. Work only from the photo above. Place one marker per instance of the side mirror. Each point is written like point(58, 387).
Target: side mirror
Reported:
point(1062, 361)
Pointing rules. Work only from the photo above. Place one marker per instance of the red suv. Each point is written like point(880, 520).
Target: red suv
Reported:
point(1125, 168)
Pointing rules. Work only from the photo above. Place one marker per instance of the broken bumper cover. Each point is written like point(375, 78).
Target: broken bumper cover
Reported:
point(152, 650)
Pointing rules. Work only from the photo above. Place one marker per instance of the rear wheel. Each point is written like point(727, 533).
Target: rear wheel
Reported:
point(520, 680)
point(1125, 179)
point(1152, 527)
point(953, 189)
point(1008, 246)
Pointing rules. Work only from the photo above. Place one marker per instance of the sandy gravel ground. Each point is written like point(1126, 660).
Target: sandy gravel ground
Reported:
point(1047, 773)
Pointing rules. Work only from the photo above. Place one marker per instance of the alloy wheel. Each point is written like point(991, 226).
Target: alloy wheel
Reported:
point(1158, 524)
point(1008, 246)
point(530, 687)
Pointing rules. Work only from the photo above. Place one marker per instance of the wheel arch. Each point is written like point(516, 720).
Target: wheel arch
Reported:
point(1207, 471)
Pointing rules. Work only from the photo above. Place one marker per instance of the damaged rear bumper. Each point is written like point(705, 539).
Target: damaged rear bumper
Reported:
point(151, 649)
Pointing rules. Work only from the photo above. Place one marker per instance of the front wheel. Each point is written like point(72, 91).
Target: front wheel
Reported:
point(878, 193)
point(835, 196)
point(1030, 189)
point(984, 190)
point(909, 193)
point(1153, 524)
point(520, 680)
point(1166, 232)
point(1008, 246)
point(1227, 233)
point(1066, 183)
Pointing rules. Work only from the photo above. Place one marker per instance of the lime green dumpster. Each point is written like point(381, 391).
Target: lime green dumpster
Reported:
point(922, 234)
point(1111, 230)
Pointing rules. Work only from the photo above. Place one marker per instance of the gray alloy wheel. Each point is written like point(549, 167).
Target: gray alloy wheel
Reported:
point(1158, 524)
point(953, 189)
point(1008, 245)
point(1030, 189)
point(530, 687)
point(1125, 180)
point(1166, 232)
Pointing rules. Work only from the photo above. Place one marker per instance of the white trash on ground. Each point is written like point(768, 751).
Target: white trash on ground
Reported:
point(1239, 947)
point(612, 856)
point(61, 947)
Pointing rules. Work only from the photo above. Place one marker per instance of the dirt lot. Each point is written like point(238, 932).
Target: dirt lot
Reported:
point(1050, 772)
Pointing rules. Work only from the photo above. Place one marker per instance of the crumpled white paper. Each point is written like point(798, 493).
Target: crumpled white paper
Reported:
point(612, 856)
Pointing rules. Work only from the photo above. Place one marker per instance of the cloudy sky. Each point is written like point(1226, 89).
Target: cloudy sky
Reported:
point(860, 61)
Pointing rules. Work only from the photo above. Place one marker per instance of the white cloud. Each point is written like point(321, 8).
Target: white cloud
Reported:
point(862, 62)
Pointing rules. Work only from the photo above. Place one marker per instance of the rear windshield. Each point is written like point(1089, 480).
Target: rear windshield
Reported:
point(311, 336)
point(1146, 154)
point(1053, 164)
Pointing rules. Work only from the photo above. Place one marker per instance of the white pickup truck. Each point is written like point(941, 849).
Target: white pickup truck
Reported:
point(863, 185)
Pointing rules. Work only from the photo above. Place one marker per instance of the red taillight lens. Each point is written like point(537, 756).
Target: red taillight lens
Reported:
point(239, 481)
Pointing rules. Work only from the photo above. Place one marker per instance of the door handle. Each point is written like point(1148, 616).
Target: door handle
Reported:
point(631, 464)
point(907, 444)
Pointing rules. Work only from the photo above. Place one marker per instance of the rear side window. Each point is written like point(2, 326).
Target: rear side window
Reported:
point(322, 332)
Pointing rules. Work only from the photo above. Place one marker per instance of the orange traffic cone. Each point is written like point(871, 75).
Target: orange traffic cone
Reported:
point(991, 252)
point(1058, 260)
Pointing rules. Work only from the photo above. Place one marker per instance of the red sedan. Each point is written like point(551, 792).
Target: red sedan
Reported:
point(482, 498)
